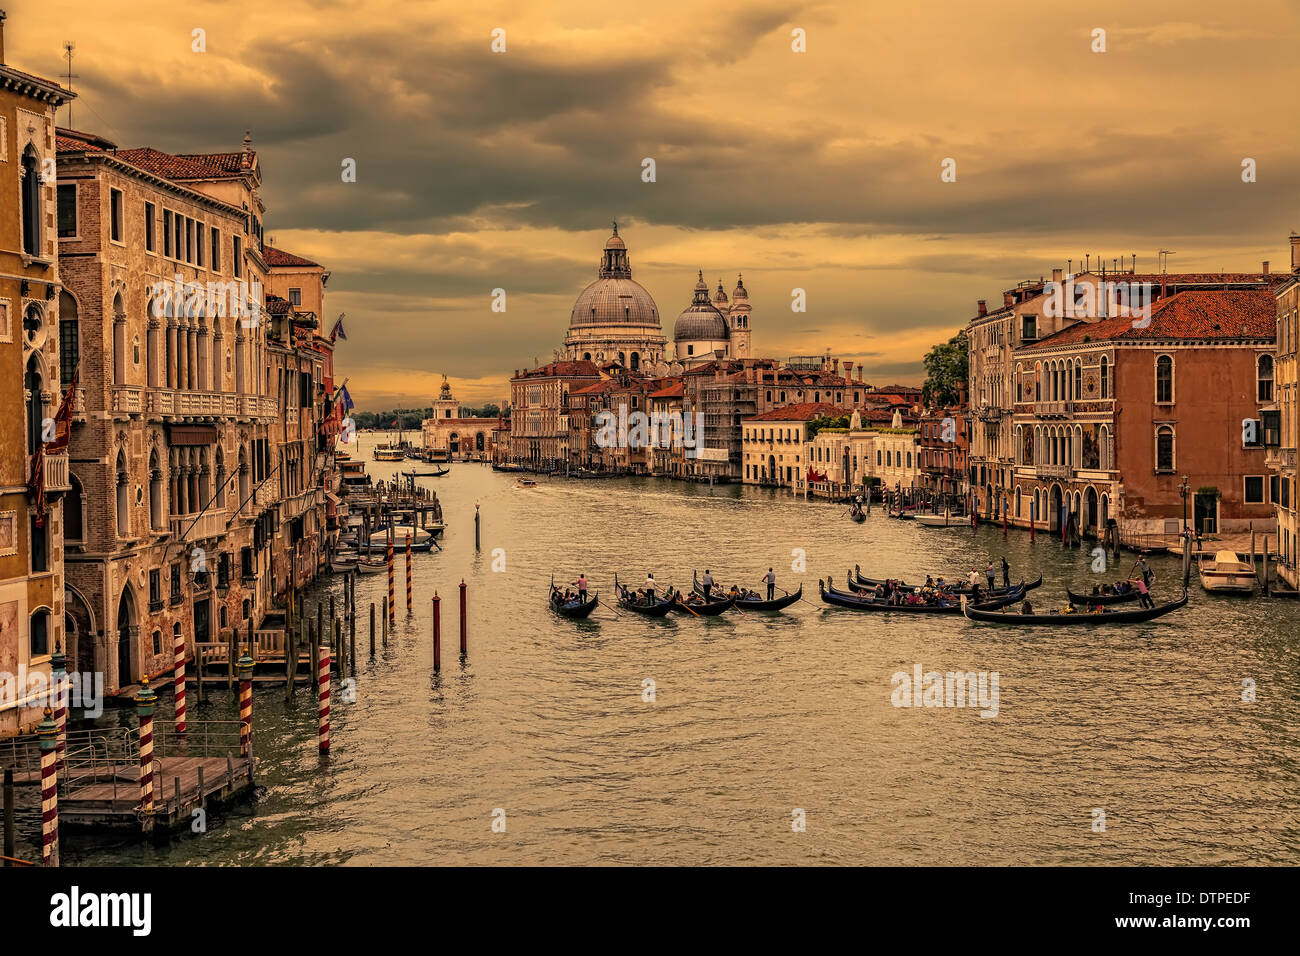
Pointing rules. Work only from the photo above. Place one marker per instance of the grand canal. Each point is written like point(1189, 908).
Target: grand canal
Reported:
point(755, 716)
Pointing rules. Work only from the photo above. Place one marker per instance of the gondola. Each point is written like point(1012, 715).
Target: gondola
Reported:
point(575, 608)
point(776, 604)
point(1104, 616)
point(848, 599)
point(858, 516)
point(953, 585)
point(710, 608)
point(367, 566)
point(628, 602)
point(426, 474)
point(1085, 599)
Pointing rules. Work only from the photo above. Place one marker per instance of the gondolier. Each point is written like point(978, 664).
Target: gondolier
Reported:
point(650, 587)
point(991, 575)
point(770, 580)
point(1006, 572)
point(582, 586)
point(707, 582)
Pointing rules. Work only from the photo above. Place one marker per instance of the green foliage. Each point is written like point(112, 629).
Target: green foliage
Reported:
point(826, 421)
point(946, 368)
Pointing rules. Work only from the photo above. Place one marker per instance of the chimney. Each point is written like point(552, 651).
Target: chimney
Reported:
point(1006, 299)
point(2, 37)
point(1295, 252)
point(848, 369)
point(1265, 267)
point(1057, 276)
point(835, 366)
point(984, 309)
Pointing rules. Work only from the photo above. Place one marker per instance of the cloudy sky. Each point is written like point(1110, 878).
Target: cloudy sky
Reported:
point(817, 170)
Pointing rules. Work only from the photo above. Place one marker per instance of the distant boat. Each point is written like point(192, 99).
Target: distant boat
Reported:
point(426, 474)
point(525, 482)
point(1227, 574)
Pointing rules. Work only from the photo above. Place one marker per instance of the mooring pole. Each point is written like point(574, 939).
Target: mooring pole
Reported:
point(476, 527)
point(437, 632)
point(384, 619)
point(323, 701)
point(58, 671)
point(144, 705)
point(245, 668)
point(372, 630)
point(408, 572)
point(464, 624)
point(46, 732)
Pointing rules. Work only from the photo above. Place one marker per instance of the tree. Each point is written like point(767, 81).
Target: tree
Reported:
point(946, 368)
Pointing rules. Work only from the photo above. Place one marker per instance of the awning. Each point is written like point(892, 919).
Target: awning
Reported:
point(192, 434)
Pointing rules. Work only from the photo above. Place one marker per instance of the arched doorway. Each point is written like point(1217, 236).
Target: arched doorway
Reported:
point(771, 467)
point(1090, 510)
point(78, 632)
point(1054, 509)
point(126, 631)
point(453, 443)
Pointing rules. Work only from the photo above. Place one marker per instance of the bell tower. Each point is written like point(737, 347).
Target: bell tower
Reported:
point(446, 406)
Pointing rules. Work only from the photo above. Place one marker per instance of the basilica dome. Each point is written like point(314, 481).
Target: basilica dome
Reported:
point(700, 321)
point(614, 298)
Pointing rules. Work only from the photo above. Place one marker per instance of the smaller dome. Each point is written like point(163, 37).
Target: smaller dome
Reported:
point(740, 292)
point(720, 296)
point(700, 321)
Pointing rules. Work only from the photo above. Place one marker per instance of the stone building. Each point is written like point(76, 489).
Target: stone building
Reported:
point(539, 410)
point(773, 443)
point(449, 434)
point(712, 329)
point(33, 469)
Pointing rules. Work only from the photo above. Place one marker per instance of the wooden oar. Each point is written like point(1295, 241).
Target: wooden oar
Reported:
point(604, 605)
point(678, 599)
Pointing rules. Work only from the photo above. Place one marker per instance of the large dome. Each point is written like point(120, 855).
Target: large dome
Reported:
point(614, 298)
point(700, 321)
point(614, 302)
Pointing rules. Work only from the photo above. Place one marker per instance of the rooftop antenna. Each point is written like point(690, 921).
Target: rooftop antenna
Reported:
point(1164, 255)
point(68, 47)
point(1088, 263)
point(1135, 263)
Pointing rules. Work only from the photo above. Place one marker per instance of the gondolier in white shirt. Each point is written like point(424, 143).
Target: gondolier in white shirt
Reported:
point(770, 580)
point(973, 579)
point(650, 587)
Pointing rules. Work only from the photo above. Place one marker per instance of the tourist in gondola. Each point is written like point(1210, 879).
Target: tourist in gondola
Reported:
point(770, 580)
point(1026, 608)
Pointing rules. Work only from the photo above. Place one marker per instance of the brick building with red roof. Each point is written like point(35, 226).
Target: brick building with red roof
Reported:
point(1113, 418)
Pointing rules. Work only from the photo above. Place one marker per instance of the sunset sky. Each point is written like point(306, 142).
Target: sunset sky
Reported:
point(816, 170)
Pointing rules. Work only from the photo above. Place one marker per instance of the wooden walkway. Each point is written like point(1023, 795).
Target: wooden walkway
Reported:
point(115, 802)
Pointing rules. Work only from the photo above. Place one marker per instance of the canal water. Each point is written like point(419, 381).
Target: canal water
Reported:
point(758, 722)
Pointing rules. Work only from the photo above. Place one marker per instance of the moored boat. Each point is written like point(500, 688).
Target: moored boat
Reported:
point(706, 606)
point(1101, 615)
point(1086, 599)
point(1227, 574)
point(940, 521)
point(956, 585)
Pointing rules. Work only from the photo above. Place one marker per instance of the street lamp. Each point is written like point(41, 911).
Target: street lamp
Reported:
point(1182, 490)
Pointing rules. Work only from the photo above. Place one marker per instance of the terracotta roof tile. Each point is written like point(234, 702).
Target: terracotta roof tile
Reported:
point(185, 166)
point(274, 256)
point(1187, 315)
point(802, 412)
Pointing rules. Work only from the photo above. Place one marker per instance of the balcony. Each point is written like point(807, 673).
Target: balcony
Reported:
point(160, 402)
point(990, 414)
point(56, 472)
point(128, 399)
point(1280, 459)
point(1052, 471)
point(190, 528)
point(1053, 409)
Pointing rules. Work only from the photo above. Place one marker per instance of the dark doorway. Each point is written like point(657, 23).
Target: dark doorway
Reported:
point(1206, 511)
point(125, 638)
point(203, 621)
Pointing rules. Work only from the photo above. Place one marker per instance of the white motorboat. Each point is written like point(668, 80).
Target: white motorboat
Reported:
point(1227, 574)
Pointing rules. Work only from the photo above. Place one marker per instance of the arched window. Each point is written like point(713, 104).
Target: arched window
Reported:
point(636, 361)
point(1164, 448)
point(1105, 377)
point(39, 633)
point(1164, 379)
point(69, 338)
point(1265, 369)
point(30, 174)
point(33, 382)
point(155, 493)
point(123, 515)
point(119, 341)
point(1078, 380)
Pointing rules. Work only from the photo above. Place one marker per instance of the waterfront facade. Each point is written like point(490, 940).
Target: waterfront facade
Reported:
point(33, 453)
point(1144, 423)
point(773, 443)
point(449, 434)
point(1281, 425)
point(539, 410)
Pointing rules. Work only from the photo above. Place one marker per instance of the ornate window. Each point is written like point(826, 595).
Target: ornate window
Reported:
point(1165, 448)
point(1164, 379)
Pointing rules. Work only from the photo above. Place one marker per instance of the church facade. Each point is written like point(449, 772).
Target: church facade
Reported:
point(452, 436)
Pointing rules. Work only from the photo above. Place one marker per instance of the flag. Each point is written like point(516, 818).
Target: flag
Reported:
point(394, 422)
point(338, 331)
point(346, 399)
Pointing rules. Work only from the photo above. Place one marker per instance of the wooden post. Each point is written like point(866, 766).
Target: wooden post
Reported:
point(392, 599)
point(337, 634)
point(384, 618)
point(437, 633)
point(476, 528)
point(178, 680)
point(320, 624)
point(352, 644)
point(315, 655)
point(252, 652)
point(203, 790)
point(176, 791)
point(144, 705)
point(372, 630)
point(231, 654)
point(1254, 565)
point(463, 623)
point(10, 841)
point(1265, 557)
point(290, 663)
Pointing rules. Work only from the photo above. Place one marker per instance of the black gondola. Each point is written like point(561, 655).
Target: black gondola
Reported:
point(776, 604)
point(1129, 616)
point(1086, 599)
point(709, 608)
point(865, 582)
point(426, 474)
point(859, 603)
point(575, 608)
point(627, 601)
point(858, 516)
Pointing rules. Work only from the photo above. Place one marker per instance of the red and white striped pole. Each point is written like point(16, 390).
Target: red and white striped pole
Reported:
point(144, 705)
point(392, 596)
point(244, 666)
point(178, 679)
point(58, 671)
point(323, 707)
point(47, 731)
point(408, 572)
